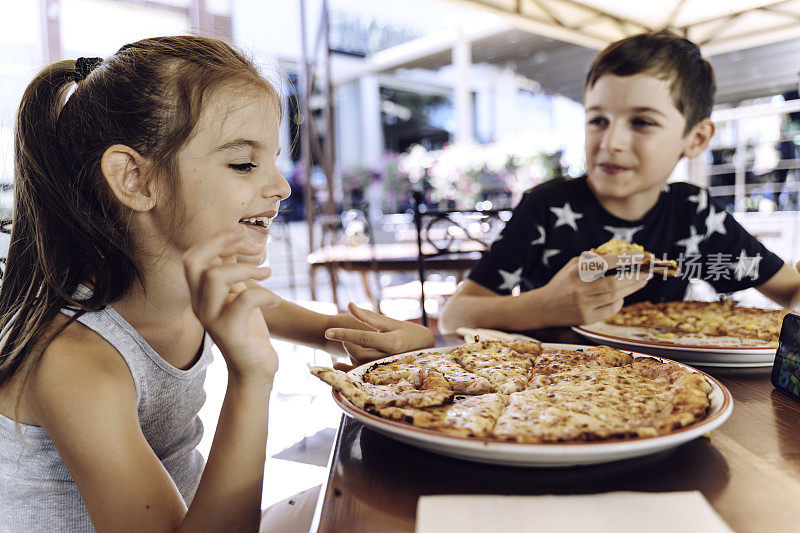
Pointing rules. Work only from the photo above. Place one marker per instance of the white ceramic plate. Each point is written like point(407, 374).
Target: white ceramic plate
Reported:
point(538, 455)
point(728, 365)
point(691, 349)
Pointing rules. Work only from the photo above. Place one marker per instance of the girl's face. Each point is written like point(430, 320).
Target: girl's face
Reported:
point(227, 169)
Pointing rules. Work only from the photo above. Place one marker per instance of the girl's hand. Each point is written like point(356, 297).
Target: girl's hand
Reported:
point(228, 309)
point(386, 336)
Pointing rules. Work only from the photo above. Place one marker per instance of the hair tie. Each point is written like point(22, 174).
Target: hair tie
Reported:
point(85, 65)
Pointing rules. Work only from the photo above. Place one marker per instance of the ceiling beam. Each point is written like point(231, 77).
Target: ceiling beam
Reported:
point(605, 14)
point(740, 12)
point(717, 28)
point(549, 12)
point(554, 25)
point(751, 39)
point(773, 9)
point(675, 11)
point(538, 26)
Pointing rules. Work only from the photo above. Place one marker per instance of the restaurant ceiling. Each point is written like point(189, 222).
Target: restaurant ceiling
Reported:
point(754, 45)
point(561, 67)
point(764, 63)
point(717, 26)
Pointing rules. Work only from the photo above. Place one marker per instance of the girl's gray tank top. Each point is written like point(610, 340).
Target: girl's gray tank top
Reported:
point(37, 492)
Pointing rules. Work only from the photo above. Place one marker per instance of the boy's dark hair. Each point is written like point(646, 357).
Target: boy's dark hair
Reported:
point(664, 55)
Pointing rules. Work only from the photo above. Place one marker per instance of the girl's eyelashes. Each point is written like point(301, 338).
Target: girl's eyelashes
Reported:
point(244, 168)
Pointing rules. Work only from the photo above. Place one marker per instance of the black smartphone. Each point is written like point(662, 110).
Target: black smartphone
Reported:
point(786, 368)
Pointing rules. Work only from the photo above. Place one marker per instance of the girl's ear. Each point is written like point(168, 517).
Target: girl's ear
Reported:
point(126, 171)
point(699, 138)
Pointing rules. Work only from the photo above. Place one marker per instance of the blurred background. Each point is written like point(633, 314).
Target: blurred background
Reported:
point(469, 101)
point(455, 107)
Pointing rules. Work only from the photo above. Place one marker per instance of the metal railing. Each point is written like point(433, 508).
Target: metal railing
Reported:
point(740, 166)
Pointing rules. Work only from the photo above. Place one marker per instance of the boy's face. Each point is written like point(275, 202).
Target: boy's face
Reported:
point(634, 137)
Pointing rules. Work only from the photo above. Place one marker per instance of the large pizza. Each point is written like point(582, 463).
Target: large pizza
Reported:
point(518, 391)
point(714, 319)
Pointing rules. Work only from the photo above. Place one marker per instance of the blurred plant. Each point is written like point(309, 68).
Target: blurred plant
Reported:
point(459, 174)
point(355, 182)
point(397, 184)
point(466, 173)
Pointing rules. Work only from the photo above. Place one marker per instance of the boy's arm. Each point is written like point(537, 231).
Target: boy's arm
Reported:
point(783, 288)
point(565, 300)
point(474, 306)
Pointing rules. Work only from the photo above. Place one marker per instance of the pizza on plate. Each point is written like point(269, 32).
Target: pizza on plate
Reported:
point(520, 392)
point(724, 319)
point(621, 246)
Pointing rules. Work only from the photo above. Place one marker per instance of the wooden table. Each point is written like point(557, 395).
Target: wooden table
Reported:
point(394, 256)
point(748, 469)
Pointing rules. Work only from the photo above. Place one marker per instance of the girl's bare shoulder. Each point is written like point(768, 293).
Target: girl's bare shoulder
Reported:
point(78, 367)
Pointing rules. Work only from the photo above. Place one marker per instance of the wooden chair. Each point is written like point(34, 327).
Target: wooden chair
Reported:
point(337, 231)
point(447, 232)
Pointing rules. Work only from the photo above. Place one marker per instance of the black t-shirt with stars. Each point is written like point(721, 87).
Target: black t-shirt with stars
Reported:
point(561, 218)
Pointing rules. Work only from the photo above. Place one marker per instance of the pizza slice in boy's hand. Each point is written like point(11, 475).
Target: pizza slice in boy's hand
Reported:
point(621, 246)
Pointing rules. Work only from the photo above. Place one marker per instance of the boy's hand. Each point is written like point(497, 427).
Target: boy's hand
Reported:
point(385, 336)
point(572, 301)
point(228, 309)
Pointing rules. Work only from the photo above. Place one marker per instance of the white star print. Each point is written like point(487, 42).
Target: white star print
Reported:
point(540, 238)
point(665, 188)
point(701, 199)
point(715, 222)
point(746, 266)
point(510, 279)
point(692, 242)
point(623, 232)
point(566, 216)
point(547, 254)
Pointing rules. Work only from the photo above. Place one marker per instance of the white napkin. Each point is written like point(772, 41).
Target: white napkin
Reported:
point(470, 334)
point(617, 512)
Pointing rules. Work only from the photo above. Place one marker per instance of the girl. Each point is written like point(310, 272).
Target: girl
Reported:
point(143, 201)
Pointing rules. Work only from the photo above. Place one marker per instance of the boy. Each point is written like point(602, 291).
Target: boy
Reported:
point(648, 100)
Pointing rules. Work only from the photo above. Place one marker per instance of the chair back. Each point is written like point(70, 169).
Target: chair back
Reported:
point(462, 231)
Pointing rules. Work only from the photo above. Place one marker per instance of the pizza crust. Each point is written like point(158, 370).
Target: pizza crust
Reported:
point(427, 388)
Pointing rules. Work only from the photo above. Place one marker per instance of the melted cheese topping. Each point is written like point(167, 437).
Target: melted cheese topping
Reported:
point(707, 318)
point(542, 396)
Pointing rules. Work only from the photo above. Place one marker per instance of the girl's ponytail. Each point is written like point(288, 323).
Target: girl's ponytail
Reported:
point(38, 167)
